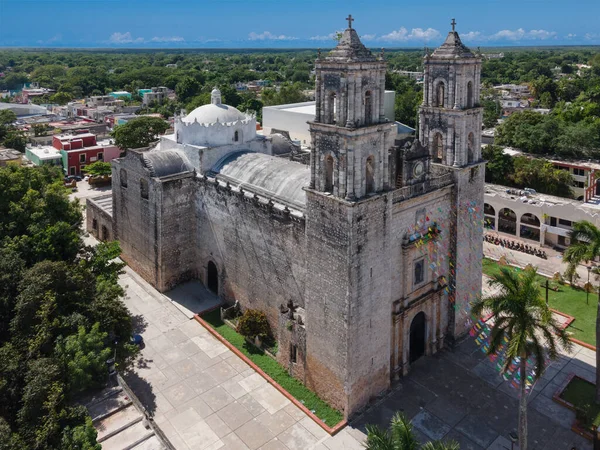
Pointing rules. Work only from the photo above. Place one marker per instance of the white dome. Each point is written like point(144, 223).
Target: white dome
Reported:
point(212, 113)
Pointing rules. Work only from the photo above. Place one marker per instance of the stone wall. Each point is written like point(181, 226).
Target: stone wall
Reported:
point(98, 219)
point(259, 249)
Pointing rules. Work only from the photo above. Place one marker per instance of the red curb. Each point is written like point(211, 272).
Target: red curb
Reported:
point(583, 344)
point(570, 319)
point(330, 430)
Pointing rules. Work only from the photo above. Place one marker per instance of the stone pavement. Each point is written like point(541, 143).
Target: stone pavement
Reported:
point(204, 397)
point(201, 394)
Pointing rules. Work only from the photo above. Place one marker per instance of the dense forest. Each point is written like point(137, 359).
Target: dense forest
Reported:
point(571, 130)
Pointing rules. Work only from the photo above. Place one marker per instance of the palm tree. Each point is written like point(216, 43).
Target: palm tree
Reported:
point(400, 437)
point(524, 323)
point(585, 247)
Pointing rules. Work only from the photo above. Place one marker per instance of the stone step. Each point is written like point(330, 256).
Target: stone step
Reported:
point(152, 443)
point(128, 438)
point(113, 424)
point(108, 406)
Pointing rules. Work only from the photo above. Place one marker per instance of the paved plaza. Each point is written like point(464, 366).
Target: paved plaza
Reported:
point(204, 397)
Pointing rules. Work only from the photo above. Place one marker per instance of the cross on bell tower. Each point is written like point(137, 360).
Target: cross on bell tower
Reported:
point(453, 23)
point(350, 20)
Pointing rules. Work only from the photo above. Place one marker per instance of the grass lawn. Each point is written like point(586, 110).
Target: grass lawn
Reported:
point(272, 368)
point(581, 393)
point(569, 300)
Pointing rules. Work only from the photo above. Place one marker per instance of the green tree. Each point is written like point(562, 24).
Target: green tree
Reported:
point(541, 175)
point(98, 168)
point(187, 88)
point(287, 93)
point(81, 437)
point(62, 98)
point(84, 357)
point(15, 140)
point(525, 322)
point(499, 165)
point(400, 437)
point(491, 112)
point(139, 132)
point(584, 248)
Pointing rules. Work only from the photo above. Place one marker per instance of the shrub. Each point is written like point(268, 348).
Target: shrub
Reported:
point(254, 323)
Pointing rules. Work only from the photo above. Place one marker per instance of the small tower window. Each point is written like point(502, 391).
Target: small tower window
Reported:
point(123, 177)
point(470, 94)
point(329, 174)
point(370, 175)
point(293, 353)
point(368, 108)
point(144, 188)
point(438, 148)
point(236, 136)
point(331, 108)
point(440, 94)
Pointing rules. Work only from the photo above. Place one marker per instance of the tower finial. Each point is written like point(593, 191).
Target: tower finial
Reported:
point(350, 20)
point(453, 24)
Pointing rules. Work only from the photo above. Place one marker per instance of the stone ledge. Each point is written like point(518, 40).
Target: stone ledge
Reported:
point(332, 431)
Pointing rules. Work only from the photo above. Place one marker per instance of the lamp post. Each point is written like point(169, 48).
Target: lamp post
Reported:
point(514, 437)
point(587, 288)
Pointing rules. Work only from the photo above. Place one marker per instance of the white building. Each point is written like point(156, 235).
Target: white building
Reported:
point(540, 218)
point(294, 117)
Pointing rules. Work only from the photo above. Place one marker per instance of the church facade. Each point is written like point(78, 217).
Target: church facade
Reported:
point(364, 260)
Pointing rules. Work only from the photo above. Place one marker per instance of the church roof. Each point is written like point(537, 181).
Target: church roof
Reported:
point(212, 113)
point(350, 48)
point(277, 178)
point(452, 48)
point(166, 162)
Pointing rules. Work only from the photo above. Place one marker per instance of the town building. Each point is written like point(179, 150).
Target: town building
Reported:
point(294, 118)
point(415, 75)
point(44, 155)
point(9, 156)
point(153, 95)
point(363, 260)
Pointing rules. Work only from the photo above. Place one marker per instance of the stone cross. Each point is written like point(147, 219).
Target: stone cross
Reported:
point(453, 24)
point(350, 20)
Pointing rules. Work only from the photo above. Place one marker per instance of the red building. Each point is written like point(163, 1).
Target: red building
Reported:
point(81, 149)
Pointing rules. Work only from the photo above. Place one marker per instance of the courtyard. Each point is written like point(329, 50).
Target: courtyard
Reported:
point(203, 396)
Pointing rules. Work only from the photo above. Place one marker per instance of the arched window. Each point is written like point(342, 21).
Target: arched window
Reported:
point(331, 108)
point(438, 148)
point(144, 188)
point(470, 94)
point(329, 174)
point(440, 94)
point(368, 108)
point(507, 221)
point(370, 175)
point(236, 136)
point(123, 177)
point(471, 147)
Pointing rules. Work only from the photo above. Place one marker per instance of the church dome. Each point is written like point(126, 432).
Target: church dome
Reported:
point(212, 113)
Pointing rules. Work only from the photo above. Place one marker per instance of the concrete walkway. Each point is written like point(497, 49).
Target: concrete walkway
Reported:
point(201, 394)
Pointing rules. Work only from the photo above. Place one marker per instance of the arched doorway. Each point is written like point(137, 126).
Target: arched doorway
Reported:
point(470, 94)
point(417, 337)
point(507, 221)
point(370, 175)
point(438, 148)
point(212, 278)
point(440, 94)
point(329, 174)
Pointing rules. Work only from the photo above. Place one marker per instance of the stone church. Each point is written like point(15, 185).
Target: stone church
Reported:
point(364, 260)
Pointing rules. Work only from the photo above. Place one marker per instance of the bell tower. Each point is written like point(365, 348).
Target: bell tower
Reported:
point(349, 134)
point(450, 116)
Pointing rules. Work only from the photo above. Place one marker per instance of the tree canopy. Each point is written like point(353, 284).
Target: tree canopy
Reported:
point(61, 314)
point(139, 132)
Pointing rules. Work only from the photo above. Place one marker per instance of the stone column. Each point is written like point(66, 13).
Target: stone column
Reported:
point(405, 346)
point(350, 196)
point(450, 91)
point(318, 97)
point(351, 95)
point(313, 162)
point(382, 96)
point(425, 86)
point(385, 163)
point(342, 173)
point(457, 90)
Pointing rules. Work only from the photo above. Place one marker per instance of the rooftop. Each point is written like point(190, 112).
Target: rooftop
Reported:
point(45, 152)
point(8, 154)
point(579, 163)
point(103, 202)
point(350, 48)
point(520, 195)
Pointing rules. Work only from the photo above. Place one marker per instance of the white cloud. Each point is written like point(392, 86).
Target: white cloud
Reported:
point(591, 36)
point(472, 36)
point(416, 34)
point(123, 38)
point(571, 36)
point(368, 37)
point(167, 39)
point(328, 37)
point(520, 34)
point(268, 36)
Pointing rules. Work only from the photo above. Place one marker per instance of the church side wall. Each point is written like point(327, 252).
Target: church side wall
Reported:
point(328, 235)
point(369, 318)
point(177, 249)
point(135, 221)
point(469, 191)
point(260, 255)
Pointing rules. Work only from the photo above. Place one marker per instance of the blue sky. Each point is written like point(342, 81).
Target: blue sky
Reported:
point(293, 23)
